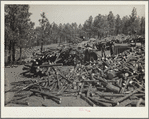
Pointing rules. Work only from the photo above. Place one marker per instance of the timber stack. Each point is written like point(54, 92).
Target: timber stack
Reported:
point(112, 81)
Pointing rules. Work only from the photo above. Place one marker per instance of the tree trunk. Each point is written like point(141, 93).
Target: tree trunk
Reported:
point(89, 35)
point(13, 52)
point(10, 52)
point(98, 34)
point(59, 41)
point(41, 45)
point(20, 53)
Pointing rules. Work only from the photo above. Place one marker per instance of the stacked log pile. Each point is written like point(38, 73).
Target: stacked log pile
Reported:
point(111, 81)
point(63, 56)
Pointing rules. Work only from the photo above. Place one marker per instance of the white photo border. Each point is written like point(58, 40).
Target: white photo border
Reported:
point(74, 112)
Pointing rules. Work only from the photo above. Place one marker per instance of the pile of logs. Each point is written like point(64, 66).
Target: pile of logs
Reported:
point(66, 55)
point(111, 81)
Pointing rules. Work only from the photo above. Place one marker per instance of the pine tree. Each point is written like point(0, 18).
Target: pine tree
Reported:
point(111, 21)
point(43, 22)
point(142, 25)
point(16, 24)
point(87, 26)
point(118, 25)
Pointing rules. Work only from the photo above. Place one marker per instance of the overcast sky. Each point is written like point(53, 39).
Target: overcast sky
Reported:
point(80, 13)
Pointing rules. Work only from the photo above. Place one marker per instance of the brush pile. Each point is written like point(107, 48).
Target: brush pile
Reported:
point(112, 81)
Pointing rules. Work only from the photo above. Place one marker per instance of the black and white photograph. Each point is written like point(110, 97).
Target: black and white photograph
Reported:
point(75, 55)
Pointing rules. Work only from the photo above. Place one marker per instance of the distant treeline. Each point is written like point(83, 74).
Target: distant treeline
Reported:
point(100, 26)
point(20, 31)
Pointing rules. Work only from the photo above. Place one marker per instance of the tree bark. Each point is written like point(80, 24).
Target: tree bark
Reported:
point(13, 51)
point(98, 34)
point(41, 45)
point(10, 52)
point(20, 53)
point(59, 41)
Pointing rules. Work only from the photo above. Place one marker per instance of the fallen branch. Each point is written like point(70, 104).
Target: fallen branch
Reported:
point(42, 93)
point(88, 100)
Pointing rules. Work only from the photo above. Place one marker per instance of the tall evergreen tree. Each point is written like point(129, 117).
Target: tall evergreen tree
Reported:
point(43, 22)
point(111, 21)
point(142, 25)
point(17, 24)
point(133, 25)
point(125, 25)
point(87, 27)
point(118, 25)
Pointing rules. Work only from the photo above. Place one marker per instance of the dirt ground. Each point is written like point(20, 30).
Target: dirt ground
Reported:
point(13, 75)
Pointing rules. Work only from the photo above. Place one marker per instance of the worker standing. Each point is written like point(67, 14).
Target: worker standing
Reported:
point(103, 50)
point(111, 47)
